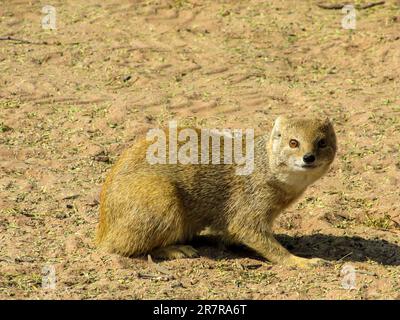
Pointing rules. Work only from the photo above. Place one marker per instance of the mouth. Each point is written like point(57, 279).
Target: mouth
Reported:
point(306, 166)
point(309, 166)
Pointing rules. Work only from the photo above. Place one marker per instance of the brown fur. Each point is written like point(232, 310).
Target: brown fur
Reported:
point(157, 208)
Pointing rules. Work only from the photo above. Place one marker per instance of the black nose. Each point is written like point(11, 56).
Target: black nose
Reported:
point(308, 158)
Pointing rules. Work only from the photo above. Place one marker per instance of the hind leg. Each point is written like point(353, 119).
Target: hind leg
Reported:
point(144, 213)
point(175, 252)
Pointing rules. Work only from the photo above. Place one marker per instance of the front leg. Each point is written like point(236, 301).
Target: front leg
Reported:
point(269, 248)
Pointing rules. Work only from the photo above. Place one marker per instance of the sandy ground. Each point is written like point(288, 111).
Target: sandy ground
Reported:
point(72, 99)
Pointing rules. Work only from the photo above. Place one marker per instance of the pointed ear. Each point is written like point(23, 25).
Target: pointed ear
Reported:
point(327, 123)
point(276, 130)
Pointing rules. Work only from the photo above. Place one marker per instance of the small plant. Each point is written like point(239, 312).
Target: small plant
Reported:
point(180, 3)
point(379, 222)
point(4, 127)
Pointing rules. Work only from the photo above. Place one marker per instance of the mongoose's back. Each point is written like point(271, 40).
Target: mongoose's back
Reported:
point(203, 191)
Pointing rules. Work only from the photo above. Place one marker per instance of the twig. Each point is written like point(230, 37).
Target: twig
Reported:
point(395, 222)
point(57, 43)
point(250, 266)
point(334, 6)
point(152, 276)
point(72, 196)
point(365, 272)
point(349, 254)
point(8, 38)
point(370, 5)
point(338, 6)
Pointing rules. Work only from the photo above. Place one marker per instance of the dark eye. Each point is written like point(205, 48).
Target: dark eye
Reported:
point(293, 143)
point(322, 143)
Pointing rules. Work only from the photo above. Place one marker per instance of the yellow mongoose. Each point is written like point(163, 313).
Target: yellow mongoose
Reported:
point(157, 208)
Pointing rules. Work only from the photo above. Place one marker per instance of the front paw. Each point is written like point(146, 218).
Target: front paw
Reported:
point(305, 263)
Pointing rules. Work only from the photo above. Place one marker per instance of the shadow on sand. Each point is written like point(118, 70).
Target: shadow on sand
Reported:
point(328, 247)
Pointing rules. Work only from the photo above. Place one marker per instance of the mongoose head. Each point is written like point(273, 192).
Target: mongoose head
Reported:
point(303, 148)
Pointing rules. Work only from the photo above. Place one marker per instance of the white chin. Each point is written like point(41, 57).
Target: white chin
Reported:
point(304, 167)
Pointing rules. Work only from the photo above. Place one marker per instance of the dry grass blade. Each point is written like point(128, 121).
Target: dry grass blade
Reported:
point(338, 6)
